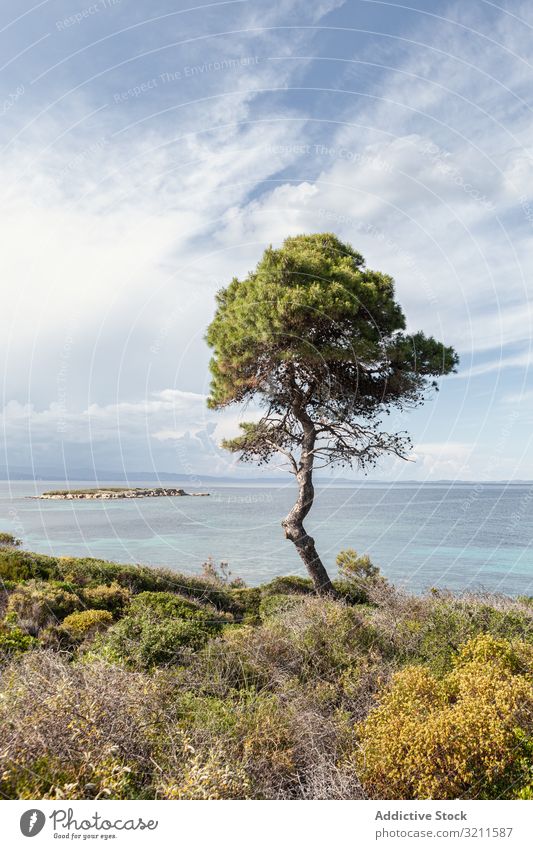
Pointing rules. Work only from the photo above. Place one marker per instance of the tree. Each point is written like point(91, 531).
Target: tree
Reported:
point(318, 342)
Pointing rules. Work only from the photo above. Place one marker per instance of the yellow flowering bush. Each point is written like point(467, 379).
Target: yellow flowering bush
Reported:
point(78, 626)
point(464, 736)
point(110, 597)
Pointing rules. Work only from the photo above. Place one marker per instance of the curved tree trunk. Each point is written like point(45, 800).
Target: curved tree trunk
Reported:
point(293, 522)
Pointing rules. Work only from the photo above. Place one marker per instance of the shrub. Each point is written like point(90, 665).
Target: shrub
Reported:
point(245, 604)
point(271, 605)
point(74, 731)
point(9, 541)
point(317, 639)
point(110, 597)
point(288, 585)
point(24, 565)
point(243, 745)
point(352, 592)
point(358, 577)
point(90, 572)
point(158, 628)
point(220, 574)
point(354, 566)
point(430, 629)
point(453, 621)
point(87, 623)
point(313, 639)
point(38, 604)
point(13, 640)
point(460, 737)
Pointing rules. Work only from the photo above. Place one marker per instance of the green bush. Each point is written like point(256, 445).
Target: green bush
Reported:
point(8, 540)
point(357, 577)
point(318, 639)
point(309, 640)
point(24, 565)
point(434, 632)
point(245, 602)
point(38, 604)
point(13, 640)
point(352, 592)
point(271, 605)
point(158, 628)
point(87, 572)
point(288, 585)
point(354, 566)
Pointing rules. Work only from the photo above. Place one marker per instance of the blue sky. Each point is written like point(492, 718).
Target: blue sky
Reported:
point(151, 151)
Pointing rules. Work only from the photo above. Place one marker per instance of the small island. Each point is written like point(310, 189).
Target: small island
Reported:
point(116, 492)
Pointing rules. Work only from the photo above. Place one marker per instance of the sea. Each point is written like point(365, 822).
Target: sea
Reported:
point(460, 536)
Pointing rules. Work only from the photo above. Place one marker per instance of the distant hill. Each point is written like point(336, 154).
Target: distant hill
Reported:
point(105, 475)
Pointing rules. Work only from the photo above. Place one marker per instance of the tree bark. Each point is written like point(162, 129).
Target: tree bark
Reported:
point(293, 522)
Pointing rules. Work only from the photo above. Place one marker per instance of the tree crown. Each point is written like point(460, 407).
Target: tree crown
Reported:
point(312, 334)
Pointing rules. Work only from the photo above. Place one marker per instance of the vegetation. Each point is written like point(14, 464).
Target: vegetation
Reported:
point(126, 682)
point(8, 540)
point(318, 341)
point(89, 491)
point(434, 738)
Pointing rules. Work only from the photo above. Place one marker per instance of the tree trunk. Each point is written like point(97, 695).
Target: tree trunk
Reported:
point(293, 522)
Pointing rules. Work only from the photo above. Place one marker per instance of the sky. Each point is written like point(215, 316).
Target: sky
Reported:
point(152, 150)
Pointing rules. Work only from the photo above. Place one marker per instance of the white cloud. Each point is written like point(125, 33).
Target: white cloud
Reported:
point(523, 360)
point(446, 460)
point(116, 239)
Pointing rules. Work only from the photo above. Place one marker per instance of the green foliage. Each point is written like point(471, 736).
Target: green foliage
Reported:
point(245, 604)
point(311, 324)
point(158, 628)
point(38, 604)
point(87, 572)
point(272, 604)
point(8, 540)
point(307, 638)
point(85, 624)
point(353, 566)
point(466, 736)
point(24, 565)
point(432, 632)
point(288, 585)
point(358, 577)
point(13, 639)
point(352, 592)
point(110, 597)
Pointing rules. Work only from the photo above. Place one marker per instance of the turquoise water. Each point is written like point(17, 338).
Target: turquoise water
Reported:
point(460, 536)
